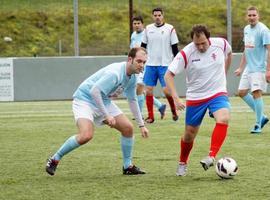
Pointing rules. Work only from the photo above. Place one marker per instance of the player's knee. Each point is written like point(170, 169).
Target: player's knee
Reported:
point(84, 137)
point(242, 93)
point(224, 119)
point(127, 130)
point(189, 135)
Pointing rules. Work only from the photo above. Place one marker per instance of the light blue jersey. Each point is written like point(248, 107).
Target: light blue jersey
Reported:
point(112, 80)
point(136, 39)
point(255, 39)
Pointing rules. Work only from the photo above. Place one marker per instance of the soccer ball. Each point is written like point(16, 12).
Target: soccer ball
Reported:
point(226, 168)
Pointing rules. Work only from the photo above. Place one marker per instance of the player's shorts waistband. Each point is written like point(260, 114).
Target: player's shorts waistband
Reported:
point(200, 101)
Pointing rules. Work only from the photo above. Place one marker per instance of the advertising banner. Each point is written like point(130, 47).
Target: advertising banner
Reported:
point(6, 79)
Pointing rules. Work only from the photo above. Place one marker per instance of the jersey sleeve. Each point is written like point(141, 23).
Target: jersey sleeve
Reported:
point(144, 37)
point(266, 37)
point(227, 47)
point(103, 85)
point(131, 41)
point(178, 64)
point(174, 38)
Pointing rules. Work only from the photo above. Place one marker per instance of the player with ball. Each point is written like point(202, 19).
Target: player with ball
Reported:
point(205, 61)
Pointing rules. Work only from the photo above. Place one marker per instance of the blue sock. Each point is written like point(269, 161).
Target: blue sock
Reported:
point(258, 109)
point(249, 101)
point(127, 146)
point(69, 145)
point(141, 100)
point(157, 103)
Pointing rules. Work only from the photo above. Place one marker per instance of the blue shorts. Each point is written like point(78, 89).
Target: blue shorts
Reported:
point(154, 73)
point(195, 114)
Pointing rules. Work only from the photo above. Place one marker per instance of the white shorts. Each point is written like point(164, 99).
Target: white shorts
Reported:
point(253, 81)
point(82, 109)
point(140, 78)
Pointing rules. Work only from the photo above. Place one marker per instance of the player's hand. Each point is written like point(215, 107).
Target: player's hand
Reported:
point(267, 76)
point(238, 72)
point(110, 121)
point(179, 104)
point(144, 132)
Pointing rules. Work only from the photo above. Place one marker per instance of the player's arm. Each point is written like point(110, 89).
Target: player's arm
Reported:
point(267, 74)
point(175, 49)
point(134, 107)
point(130, 93)
point(95, 92)
point(242, 65)
point(169, 79)
point(228, 61)
point(144, 39)
point(177, 66)
point(102, 87)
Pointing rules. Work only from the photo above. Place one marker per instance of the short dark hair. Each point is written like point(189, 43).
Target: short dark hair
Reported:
point(198, 29)
point(137, 18)
point(157, 9)
point(253, 8)
point(132, 52)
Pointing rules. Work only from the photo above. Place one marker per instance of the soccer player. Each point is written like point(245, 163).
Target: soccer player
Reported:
point(161, 41)
point(92, 106)
point(205, 62)
point(257, 72)
point(135, 41)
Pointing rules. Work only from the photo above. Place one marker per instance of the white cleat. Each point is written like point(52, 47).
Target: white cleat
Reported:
point(207, 162)
point(181, 169)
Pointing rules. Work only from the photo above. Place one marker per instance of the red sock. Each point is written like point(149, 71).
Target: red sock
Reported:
point(217, 139)
point(185, 150)
point(171, 102)
point(149, 104)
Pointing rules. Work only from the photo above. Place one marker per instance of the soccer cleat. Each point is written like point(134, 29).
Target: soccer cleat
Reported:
point(51, 166)
point(181, 169)
point(264, 121)
point(132, 170)
point(149, 120)
point(175, 117)
point(162, 110)
point(256, 130)
point(207, 162)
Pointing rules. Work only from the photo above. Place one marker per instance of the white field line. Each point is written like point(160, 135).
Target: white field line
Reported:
point(65, 113)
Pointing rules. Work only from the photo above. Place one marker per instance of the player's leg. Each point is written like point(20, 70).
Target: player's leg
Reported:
point(150, 80)
point(220, 107)
point(160, 106)
point(125, 127)
point(258, 105)
point(162, 71)
point(84, 120)
point(194, 116)
point(258, 85)
point(243, 88)
point(140, 91)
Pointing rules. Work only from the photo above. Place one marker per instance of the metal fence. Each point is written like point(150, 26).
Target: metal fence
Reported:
point(46, 28)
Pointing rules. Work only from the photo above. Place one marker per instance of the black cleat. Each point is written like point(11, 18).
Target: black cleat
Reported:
point(175, 117)
point(149, 120)
point(51, 166)
point(133, 170)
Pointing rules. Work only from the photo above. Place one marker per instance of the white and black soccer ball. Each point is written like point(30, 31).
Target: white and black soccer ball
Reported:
point(226, 168)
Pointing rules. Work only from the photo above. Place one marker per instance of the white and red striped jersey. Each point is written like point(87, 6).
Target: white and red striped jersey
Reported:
point(205, 72)
point(159, 41)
